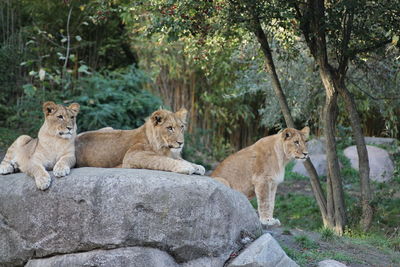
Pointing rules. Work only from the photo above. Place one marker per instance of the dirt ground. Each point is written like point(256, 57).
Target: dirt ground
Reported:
point(355, 253)
point(360, 255)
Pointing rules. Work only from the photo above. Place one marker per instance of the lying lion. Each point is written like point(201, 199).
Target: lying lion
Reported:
point(52, 150)
point(156, 145)
point(259, 168)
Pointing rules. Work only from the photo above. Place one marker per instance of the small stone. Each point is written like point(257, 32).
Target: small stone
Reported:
point(263, 252)
point(331, 263)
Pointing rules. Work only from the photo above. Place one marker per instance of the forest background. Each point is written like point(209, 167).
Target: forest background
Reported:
point(233, 64)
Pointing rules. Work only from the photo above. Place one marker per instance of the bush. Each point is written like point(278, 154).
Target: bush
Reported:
point(115, 99)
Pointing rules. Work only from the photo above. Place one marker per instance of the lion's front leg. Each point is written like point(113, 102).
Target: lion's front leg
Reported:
point(152, 161)
point(265, 191)
point(42, 177)
point(64, 165)
point(198, 168)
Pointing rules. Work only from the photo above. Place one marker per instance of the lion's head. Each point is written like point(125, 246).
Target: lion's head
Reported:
point(294, 142)
point(60, 120)
point(168, 129)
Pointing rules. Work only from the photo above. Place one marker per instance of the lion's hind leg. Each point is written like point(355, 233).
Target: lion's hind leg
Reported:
point(222, 180)
point(9, 163)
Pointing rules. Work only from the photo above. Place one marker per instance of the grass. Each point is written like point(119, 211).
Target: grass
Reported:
point(293, 210)
point(327, 234)
point(297, 210)
point(305, 243)
point(310, 257)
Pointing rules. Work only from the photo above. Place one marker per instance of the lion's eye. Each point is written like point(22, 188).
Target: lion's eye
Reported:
point(182, 127)
point(296, 142)
point(60, 117)
point(72, 117)
point(169, 128)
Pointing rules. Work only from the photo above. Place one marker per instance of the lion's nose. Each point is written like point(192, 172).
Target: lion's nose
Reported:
point(305, 153)
point(69, 128)
point(179, 143)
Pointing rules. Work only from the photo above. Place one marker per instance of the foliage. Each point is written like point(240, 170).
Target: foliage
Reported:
point(114, 98)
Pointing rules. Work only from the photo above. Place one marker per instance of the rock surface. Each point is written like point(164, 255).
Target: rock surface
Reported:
point(331, 263)
point(380, 163)
point(319, 162)
point(263, 252)
point(188, 217)
point(316, 146)
point(380, 141)
point(121, 257)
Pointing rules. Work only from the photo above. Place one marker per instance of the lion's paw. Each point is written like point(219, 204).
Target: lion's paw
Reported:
point(6, 168)
point(270, 222)
point(43, 182)
point(61, 170)
point(185, 168)
point(199, 169)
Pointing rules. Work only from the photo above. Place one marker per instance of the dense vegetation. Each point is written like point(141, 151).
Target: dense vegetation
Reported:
point(123, 59)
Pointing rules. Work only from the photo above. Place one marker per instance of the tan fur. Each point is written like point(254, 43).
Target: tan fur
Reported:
point(156, 145)
point(52, 150)
point(258, 169)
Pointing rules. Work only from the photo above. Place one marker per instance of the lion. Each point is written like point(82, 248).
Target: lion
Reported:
point(156, 145)
point(54, 148)
point(258, 169)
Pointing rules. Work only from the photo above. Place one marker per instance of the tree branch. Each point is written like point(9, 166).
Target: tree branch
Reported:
point(370, 48)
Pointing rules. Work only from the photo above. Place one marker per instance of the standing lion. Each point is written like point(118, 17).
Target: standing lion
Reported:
point(258, 169)
point(53, 149)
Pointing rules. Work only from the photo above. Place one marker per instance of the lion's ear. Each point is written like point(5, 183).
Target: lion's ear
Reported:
point(158, 117)
point(74, 107)
point(182, 114)
point(306, 132)
point(49, 107)
point(287, 134)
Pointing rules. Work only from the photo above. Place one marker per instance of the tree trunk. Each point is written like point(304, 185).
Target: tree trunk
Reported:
point(315, 184)
point(358, 135)
point(335, 205)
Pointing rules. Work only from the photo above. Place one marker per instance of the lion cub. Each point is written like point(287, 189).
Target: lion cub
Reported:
point(53, 149)
point(259, 168)
point(156, 145)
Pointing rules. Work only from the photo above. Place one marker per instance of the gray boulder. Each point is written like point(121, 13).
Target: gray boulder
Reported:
point(121, 257)
point(380, 163)
point(263, 252)
point(331, 263)
point(316, 146)
point(380, 141)
point(188, 217)
point(319, 162)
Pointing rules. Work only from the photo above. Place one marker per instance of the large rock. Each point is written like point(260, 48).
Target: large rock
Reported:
point(380, 141)
point(319, 162)
point(316, 146)
point(264, 252)
point(380, 163)
point(121, 257)
point(188, 217)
